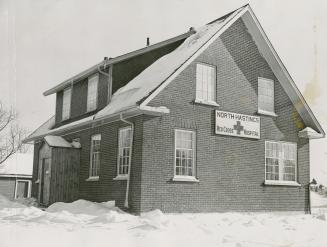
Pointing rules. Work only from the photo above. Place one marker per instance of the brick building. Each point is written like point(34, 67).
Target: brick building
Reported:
point(207, 121)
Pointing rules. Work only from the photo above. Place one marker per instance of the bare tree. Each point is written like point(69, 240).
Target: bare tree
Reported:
point(11, 134)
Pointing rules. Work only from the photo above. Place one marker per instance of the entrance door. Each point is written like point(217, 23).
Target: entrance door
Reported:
point(45, 181)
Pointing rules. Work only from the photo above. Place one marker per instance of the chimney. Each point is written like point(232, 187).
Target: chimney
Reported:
point(147, 41)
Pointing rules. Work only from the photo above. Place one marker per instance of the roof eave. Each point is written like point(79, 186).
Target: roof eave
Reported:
point(129, 112)
point(288, 76)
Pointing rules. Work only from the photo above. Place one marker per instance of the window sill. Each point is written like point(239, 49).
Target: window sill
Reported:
point(267, 113)
point(202, 102)
point(282, 183)
point(121, 177)
point(92, 179)
point(185, 179)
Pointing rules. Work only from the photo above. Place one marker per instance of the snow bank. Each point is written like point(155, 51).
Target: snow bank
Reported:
point(6, 203)
point(83, 207)
point(84, 223)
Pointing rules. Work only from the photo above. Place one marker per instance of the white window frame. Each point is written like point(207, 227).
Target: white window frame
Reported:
point(187, 178)
point(91, 176)
point(280, 160)
point(68, 104)
point(201, 99)
point(92, 107)
point(260, 108)
point(28, 190)
point(123, 176)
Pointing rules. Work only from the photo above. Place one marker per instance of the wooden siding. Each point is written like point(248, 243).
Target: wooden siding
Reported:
point(64, 181)
point(7, 187)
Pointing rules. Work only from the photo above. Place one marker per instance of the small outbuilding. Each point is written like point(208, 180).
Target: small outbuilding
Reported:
point(16, 176)
point(57, 176)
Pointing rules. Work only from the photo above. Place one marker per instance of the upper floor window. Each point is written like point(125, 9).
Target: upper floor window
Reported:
point(265, 96)
point(66, 103)
point(92, 92)
point(184, 152)
point(95, 156)
point(205, 83)
point(281, 161)
point(124, 150)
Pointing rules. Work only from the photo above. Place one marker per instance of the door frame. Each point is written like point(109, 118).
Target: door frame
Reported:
point(28, 190)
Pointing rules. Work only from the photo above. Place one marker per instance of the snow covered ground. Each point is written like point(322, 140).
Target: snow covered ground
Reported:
point(84, 223)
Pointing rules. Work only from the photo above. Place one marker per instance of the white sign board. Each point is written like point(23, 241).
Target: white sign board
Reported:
point(235, 124)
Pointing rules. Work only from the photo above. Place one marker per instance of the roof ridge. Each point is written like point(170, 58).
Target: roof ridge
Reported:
point(226, 15)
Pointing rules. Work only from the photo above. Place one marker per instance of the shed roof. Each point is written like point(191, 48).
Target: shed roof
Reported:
point(57, 141)
point(19, 164)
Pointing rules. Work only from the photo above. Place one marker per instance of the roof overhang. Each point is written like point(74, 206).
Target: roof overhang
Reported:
point(15, 176)
point(268, 52)
point(110, 61)
point(92, 121)
point(310, 133)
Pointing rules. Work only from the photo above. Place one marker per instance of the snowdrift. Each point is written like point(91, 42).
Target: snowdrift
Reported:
point(84, 223)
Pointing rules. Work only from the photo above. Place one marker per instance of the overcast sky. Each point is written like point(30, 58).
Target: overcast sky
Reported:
point(43, 42)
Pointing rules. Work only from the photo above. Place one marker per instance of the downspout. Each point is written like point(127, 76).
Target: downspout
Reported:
point(130, 160)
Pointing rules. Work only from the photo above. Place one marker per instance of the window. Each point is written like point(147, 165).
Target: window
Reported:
point(66, 103)
point(95, 156)
point(124, 150)
point(265, 95)
point(184, 153)
point(205, 83)
point(92, 92)
point(281, 162)
point(23, 189)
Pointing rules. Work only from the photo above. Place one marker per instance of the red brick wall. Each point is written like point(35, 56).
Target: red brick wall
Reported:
point(231, 170)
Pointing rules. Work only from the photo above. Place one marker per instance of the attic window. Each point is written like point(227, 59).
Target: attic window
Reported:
point(266, 96)
point(205, 83)
point(66, 103)
point(92, 92)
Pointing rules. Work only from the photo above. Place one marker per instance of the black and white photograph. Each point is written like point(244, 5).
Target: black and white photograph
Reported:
point(163, 123)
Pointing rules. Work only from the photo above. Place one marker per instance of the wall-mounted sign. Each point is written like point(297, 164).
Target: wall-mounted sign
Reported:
point(235, 124)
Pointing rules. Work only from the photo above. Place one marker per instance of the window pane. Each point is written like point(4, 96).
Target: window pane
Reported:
point(205, 82)
point(95, 156)
point(66, 104)
point(124, 150)
point(281, 161)
point(184, 143)
point(266, 94)
point(92, 93)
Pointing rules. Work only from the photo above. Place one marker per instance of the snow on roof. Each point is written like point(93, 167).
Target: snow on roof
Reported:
point(148, 80)
point(44, 128)
point(17, 164)
point(57, 141)
point(142, 85)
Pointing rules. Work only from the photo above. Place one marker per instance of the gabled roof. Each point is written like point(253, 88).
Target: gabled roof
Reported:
point(150, 82)
point(19, 164)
